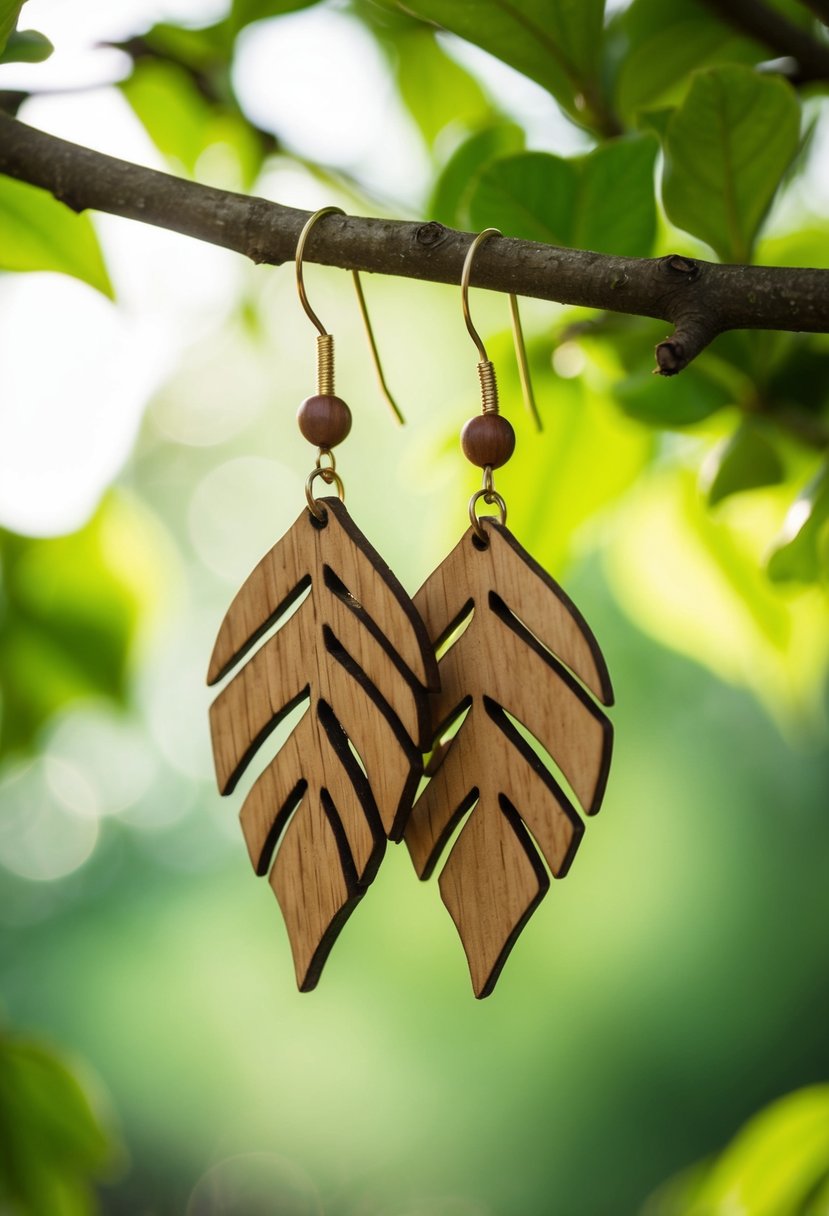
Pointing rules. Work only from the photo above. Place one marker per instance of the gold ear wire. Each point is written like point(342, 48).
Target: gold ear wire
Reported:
point(486, 372)
point(325, 340)
point(375, 354)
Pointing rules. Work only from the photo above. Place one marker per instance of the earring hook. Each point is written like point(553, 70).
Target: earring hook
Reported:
point(485, 370)
point(326, 368)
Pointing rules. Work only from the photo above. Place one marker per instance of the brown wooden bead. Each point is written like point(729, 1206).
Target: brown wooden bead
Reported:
point(488, 439)
point(324, 420)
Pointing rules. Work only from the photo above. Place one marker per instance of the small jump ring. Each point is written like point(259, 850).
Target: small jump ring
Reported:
point(332, 463)
point(330, 478)
point(489, 496)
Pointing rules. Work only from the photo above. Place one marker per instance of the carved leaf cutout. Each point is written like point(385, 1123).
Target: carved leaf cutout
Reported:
point(357, 652)
point(526, 654)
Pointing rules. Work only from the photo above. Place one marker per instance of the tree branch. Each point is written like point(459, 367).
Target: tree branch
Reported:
point(701, 299)
point(782, 37)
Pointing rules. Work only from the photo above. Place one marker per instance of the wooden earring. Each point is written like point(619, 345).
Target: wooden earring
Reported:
point(527, 672)
point(357, 653)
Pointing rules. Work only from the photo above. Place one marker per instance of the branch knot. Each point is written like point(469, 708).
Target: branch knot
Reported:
point(431, 234)
point(677, 265)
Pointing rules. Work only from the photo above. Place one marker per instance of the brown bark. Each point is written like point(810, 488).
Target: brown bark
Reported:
point(701, 299)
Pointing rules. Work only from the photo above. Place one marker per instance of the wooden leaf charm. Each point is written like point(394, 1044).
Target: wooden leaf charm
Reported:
point(526, 652)
point(347, 774)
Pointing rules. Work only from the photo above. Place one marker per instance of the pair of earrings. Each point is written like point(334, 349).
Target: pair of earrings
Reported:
point(519, 678)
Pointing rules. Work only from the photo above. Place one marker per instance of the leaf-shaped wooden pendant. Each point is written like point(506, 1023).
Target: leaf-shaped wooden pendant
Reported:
point(346, 777)
point(526, 652)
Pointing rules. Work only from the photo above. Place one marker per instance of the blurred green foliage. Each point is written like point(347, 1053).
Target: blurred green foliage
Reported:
point(803, 549)
point(20, 46)
point(744, 461)
point(181, 90)
point(39, 233)
point(9, 14)
point(244, 12)
point(557, 45)
point(26, 46)
point(69, 607)
point(679, 982)
point(53, 1145)
point(778, 1163)
point(450, 198)
point(573, 201)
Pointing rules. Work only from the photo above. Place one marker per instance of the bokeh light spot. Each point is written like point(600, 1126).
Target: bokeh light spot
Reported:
point(255, 1184)
point(239, 510)
point(49, 825)
point(568, 360)
point(112, 753)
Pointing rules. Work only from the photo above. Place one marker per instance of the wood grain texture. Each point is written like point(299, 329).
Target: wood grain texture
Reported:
point(346, 777)
point(525, 653)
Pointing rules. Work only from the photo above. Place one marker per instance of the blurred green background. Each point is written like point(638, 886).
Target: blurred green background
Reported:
point(155, 1058)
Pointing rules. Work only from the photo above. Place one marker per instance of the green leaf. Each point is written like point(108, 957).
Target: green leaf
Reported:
point(183, 123)
point(67, 614)
point(776, 1165)
point(693, 579)
point(802, 551)
point(666, 42)
point(675, 1196)
point(557, 43)
point(39, 233)
point(799, 377)
point(436, 89)
point(450, 198)
point(532, 195)
point(806, 246)
point(674, 401)
point(9, 15)
point(776, 1162)
point(754, 356)
point(450, 201)
point(26, 46)
point(797, 13)
point(726, 149)
point(602, 201)
point(616, 210)
point(785, 377)
point(173, 113)
point(582, 430)
point(746, 461)
point(245, 12)
point(53, 1145)
point(655, 121)
point(204, 49)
